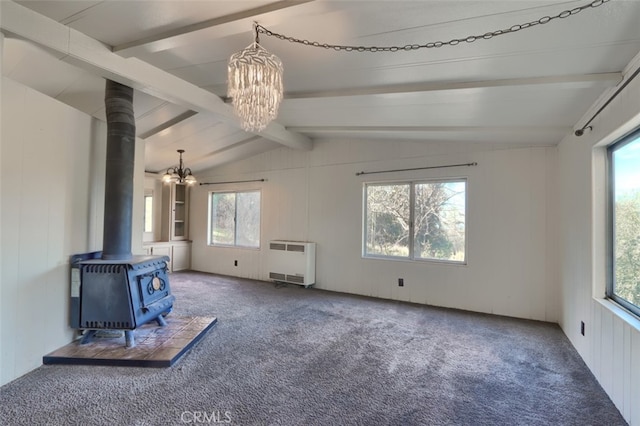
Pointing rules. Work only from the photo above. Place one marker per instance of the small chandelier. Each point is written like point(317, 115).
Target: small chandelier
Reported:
point(255, 85)
point(179, 174)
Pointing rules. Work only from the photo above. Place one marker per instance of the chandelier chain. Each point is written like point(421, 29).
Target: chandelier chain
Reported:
point(453, 42)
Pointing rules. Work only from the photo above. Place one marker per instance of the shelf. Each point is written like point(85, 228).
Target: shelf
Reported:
point(175, 212)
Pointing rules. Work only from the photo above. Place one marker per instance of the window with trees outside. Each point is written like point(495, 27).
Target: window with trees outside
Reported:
point(234, 218)
point(624, 207)
point(416, 220)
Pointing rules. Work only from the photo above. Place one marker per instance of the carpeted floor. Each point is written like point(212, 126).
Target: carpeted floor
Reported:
point(294, 356)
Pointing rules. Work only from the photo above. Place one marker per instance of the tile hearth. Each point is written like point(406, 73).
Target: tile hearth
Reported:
point(155, 346)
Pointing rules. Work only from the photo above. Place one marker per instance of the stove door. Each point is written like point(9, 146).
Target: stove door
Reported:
point(105, 300)
point(154, 294)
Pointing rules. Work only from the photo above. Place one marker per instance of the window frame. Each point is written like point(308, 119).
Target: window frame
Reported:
point(411, 243)
point(632, 137)
point(210, 224)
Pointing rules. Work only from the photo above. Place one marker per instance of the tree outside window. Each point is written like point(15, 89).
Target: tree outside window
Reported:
point(416, 220)
point(235, 219)
point(624, 160)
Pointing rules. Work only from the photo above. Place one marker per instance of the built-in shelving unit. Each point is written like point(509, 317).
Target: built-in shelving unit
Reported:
point(174, 228)
point(175, 212)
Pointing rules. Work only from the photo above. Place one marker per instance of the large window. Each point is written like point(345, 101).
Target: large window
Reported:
point(234, 218)
point(416, 220)
point(624, 167)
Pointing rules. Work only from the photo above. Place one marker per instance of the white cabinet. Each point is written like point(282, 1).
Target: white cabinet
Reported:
point(179, 253)
point(175, 212)
point(181, 256)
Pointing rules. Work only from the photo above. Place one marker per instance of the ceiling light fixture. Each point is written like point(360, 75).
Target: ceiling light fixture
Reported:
point(255, 85)
point(179, 174)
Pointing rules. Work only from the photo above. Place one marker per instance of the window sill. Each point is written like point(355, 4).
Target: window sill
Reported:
point(623, 314)
point(224, 246)
point(416, 261)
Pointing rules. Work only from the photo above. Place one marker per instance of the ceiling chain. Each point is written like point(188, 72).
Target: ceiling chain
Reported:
point(435, 44)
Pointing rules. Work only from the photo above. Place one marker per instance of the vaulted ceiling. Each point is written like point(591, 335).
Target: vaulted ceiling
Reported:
point(526, 88)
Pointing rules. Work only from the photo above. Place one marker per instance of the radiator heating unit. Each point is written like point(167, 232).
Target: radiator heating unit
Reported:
point(292, 262)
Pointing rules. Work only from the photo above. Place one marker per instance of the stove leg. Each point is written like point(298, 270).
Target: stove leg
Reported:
point(161, 322)
point(129, 338)
point(87, 336)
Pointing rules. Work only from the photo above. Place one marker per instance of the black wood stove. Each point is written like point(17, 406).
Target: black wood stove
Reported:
point(113, 289)
point(123, 295)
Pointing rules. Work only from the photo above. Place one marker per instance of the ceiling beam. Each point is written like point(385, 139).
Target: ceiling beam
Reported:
point(97, 58)
point(222, 26)
point(202, 159)
point(579, 80)
point(231, 153)
point(222, 153)
point(462, 129)
point(567, 81)
point(169, 123)
point(227, 146)
point(627, 73)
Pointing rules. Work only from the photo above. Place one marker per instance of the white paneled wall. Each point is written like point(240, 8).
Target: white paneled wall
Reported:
point(316, 196)
point(611, 344)
point(52, 198)
point(45, 203)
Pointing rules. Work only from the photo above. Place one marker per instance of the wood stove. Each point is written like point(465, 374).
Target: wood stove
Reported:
point(114, 289)
point(124, 294)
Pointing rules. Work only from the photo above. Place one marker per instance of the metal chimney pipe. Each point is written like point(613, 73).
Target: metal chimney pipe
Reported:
point(118, 196)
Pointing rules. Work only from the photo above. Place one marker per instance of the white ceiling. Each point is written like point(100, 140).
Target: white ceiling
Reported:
point(531, 87)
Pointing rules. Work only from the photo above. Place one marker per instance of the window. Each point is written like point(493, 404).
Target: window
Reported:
point(234, 219)
point(148, 211)
point(416, 220)
point(624, 207)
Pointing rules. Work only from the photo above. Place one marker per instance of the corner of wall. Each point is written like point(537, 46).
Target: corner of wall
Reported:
point(609, 343)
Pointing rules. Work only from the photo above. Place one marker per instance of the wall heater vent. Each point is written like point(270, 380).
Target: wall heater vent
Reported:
point(292, 262)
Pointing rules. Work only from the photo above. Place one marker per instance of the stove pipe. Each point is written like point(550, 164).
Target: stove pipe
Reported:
point(118, 197)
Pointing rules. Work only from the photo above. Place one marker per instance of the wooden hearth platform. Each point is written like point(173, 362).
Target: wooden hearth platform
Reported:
point(155, 346)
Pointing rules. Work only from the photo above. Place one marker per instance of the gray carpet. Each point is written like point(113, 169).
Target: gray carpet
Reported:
point(293, 356)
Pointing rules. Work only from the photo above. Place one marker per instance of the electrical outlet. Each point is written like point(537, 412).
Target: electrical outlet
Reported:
point(582, 327)
point(235, 263)
point(400, 282)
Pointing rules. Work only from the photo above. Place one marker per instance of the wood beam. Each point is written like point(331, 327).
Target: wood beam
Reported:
point(227, 147)
point(627, 72)
point(222, 26)
point(167, 124)
point(448, 129)
point(231, 152)
point(97, 58)
point(579, 80)
point(202, 159)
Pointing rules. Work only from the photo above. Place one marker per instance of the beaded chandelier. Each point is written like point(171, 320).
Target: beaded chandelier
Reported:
point(255, 85)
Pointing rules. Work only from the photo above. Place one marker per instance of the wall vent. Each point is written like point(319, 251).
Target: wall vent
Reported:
point(292, 262)
point(277, 277)
point(298, 279)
